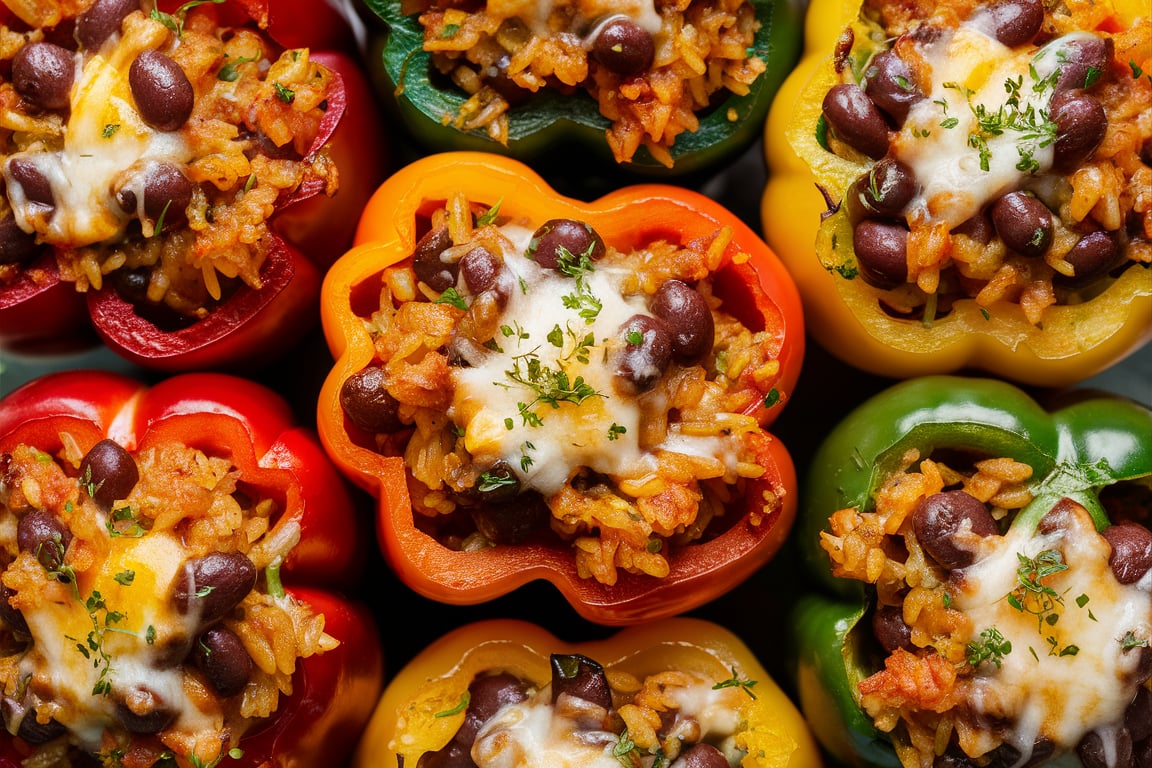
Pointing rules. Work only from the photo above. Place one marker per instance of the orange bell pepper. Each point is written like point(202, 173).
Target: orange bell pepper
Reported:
point(842, 312)
point(752, 283)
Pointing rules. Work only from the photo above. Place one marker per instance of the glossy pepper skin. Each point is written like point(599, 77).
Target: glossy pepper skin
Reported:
point(42, 314)
point(399, 66)
point(844, 316)
point(228, 415)
point(388, 234)
point(1077, 450)
point(436, 680)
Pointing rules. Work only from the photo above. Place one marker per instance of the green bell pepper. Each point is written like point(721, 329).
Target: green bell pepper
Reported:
point(550, 120)
point(1093, 449)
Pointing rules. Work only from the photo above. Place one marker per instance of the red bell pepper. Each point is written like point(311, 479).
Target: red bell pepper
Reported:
point(749, 282)
point(332, 692)
point(309, 230)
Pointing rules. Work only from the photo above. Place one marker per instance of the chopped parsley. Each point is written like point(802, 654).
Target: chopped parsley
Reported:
point(460, 706)
point(736, 682)
point(175, 21)
point(992, 646)
point(452, 296)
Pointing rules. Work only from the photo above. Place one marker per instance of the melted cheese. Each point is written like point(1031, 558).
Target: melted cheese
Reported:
point(969, 61)
point(1060, 697)
point(535, 13)
point(106, 147)
point(531, 734)
point(572, 435)
point(58, 627)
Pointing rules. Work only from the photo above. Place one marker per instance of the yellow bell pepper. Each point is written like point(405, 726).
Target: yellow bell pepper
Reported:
point(844, 316)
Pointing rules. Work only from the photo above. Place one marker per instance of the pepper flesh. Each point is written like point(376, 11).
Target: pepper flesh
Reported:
point(40, 313)
point(1077, 451)
point(420, 709)
point(845, 316)
point(400, 66)
point(388, 234)
point(254, 427)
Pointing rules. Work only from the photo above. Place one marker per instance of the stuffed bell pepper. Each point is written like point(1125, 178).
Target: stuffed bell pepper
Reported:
point(986, 574)
point(169, 175)
point(171, 564)
point(677, 693)
point(986, 172)
point(655, 86)
point(540, 388)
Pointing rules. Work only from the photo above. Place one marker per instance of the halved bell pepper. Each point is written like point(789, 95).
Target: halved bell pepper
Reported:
point(426, 703)
point(41, 313)
point(550, 120)
point(60, 416)
point(1091, 449)
point(843, 312)
point(751, 283)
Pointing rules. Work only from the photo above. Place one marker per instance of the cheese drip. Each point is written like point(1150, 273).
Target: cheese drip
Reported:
point(533, 734)
point(134, 582)
point(970, 72)
point(1065, 679)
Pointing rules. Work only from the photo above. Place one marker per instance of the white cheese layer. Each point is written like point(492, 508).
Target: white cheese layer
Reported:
point(602, 431)
point(969, 73)
point(532, 734)
point(535, 13)
point(1064, 679)
point(106, 147)
point(135, 583)
point(487, 400)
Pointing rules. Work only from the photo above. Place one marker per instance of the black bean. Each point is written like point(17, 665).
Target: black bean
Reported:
point(581, 677)
point(42, 73)
point(1138, 716)
point(946, 523)
point(1009, 756)
point(881, 252)
point(1117, 754)
point(498, 79)
point(884, 191)
point(511, 521)
point(213, 585)
point(890, 629)
point(164, 96)
point(1131, 555)
point(978, 227)
point(560, 241)
point(1013, 22)
point(102, 20)
point(32, 181)
point(855, 120)
point(367, 404)
point(16, 245)
point(646, 354)
point(624, 47)
point(1142, 753)
point(1092, 256)
point(1080, 126)
point(219, 654)
point(487, 695)
point(427, 263)
point(891, 85)
point(45, 536)
point(688, 317)
point(953, 757)
point(9, 615)
point(480, 268)
point(452, 755)
point(22, 720)
point(142, 710)
point(109, 472)
point(1023, 223)
point(167, 194)
point(498, 483)
point(1082, 61)
point(701, 755)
